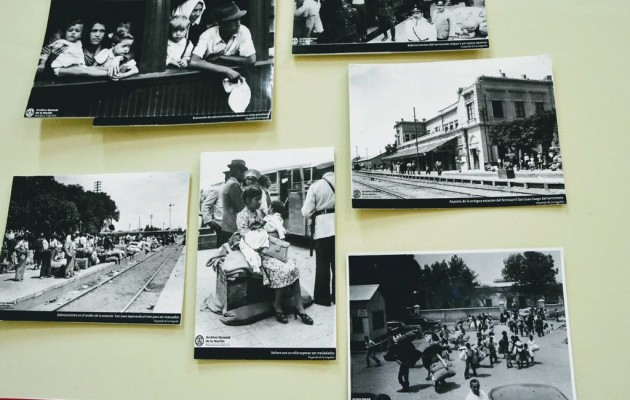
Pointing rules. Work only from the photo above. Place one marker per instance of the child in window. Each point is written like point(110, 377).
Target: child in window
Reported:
point(274, 222)
point(67, 49)
point(179, 48)
point(121, 47)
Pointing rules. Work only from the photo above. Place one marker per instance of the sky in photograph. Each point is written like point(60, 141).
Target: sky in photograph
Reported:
point(213, 164)
point(382, 94)
point(487, 265)
point(140, 195)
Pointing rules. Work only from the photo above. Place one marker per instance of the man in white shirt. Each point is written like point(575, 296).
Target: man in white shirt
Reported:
point(229, 43)
point(319, 205)
point(475, 391)
point(418, 29)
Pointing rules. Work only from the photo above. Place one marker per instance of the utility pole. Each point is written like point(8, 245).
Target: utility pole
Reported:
point(170, 208)
point(97, 187)
point(415, 128)
point(151, 217)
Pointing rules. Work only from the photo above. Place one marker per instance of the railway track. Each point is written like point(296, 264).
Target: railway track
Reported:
point(436, 190)
point(123, 291)
point(378, 189)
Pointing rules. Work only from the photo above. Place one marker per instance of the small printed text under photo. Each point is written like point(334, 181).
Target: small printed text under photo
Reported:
point(95, 248)
point(266, 255)
point(473, 133)
point(473, 325)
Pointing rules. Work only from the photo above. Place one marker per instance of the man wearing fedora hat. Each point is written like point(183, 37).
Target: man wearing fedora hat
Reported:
point(228, 43)
point(232, 198)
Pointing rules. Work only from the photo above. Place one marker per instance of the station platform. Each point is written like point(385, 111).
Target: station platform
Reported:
point(525, 179)
point(12, 293)
point(170, 300)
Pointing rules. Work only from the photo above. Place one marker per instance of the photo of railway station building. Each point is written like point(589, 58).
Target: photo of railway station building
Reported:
point(478, 129)
point(457, 135)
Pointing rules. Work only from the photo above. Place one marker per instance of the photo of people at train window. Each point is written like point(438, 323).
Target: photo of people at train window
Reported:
point(445, 325)
point(69, 247)
point(461, 134)
point(224, 46)
point(338, 23)
point(266, 255)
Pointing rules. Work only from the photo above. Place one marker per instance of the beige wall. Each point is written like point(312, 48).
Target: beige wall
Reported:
point(588, 42)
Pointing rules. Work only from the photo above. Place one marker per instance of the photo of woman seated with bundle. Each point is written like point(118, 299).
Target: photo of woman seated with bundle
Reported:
point(255, 234)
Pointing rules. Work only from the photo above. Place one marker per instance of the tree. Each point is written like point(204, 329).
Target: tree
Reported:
point(448, 285)
point(527, 133)
point(391, 148)
point(42, 205)
point(532, 272)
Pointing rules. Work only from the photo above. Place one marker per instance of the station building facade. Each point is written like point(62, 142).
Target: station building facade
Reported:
point(458, 134)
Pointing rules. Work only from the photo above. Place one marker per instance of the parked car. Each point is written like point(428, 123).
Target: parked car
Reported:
point(399, 328)
point(424, 323)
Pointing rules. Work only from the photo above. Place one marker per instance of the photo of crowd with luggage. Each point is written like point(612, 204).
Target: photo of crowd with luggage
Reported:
point(459, 323)
point(69, 247)
point(388, 25)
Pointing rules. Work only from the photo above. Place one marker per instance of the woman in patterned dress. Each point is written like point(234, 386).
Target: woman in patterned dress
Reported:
point(277, 275)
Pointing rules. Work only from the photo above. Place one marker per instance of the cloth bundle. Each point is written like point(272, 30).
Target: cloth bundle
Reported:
point(240, 94)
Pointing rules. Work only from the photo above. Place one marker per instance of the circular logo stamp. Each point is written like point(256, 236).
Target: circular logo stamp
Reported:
point(199, 340)
point(295, 41)
point(29, 113)
point(356, 194)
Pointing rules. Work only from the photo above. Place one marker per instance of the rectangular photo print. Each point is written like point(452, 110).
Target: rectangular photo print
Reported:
point(152, 62)
point(95, 248)
point(266, 255)
point(474, 133)
point(474, 325)
point(388, 26)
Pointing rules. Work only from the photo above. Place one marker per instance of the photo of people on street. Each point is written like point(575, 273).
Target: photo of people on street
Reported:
point(266, 255)
point(95, 248)
point(156, 62)
point(386, 26)
point(473, 133)
point(471, 325)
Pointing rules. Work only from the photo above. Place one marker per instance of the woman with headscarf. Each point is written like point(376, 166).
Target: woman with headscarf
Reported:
point(21, 250)
point(193, 10)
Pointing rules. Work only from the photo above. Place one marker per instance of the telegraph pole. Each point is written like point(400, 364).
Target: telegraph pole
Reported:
point(97, 187)
point(170, 208)
point(415, 128)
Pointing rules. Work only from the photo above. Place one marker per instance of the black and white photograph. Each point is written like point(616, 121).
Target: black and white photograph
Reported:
point(473, 133)
point(95, 248)
point(474, 325)
point(155, 62)
point(266, 255)
point(388, 26)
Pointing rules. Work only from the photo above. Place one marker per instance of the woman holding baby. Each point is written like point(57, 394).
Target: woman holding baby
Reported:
point(278, 275)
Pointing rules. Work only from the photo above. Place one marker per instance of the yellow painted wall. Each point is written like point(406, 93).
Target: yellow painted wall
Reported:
point(588, 40)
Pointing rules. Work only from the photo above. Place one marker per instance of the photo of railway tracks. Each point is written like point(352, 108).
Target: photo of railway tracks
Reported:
point(77, 266)
point(478, 134)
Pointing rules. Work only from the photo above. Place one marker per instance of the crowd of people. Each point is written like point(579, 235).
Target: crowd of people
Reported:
point(349, 21)
point(245, 219)
point(474, 340)
point(57, 255)
point(94, 49)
